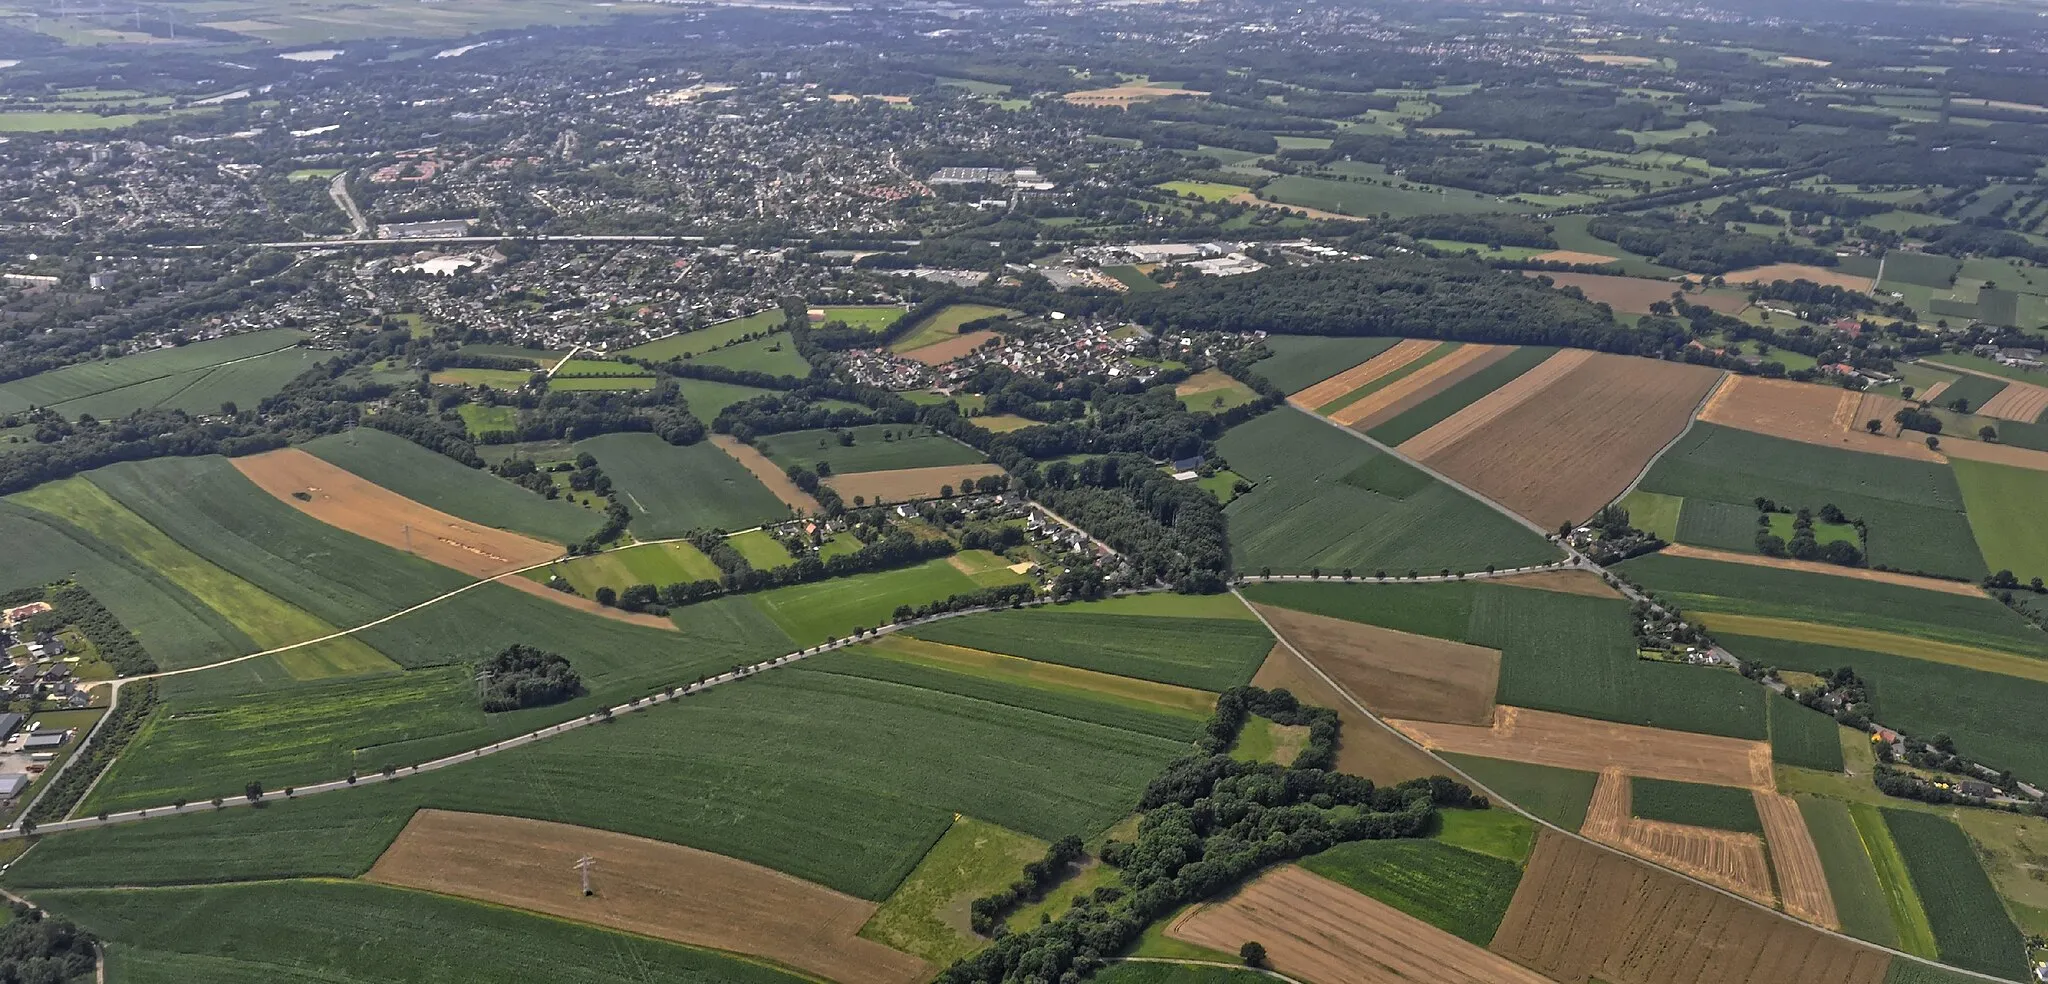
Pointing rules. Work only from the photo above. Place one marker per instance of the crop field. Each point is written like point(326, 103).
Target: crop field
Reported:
point(1971, 928)
point(775, 355)
point(1208, 391)
point(1353, 382)
point(349, 931)
point(1319, 930)
point(440, 482)
point(1359, 199)
point(875, 447)
point(1576, 900)
point(708, 398)
point(761, 549)
point(1404, 419)
point(1396, 674)
point(345, 501)
point(602, 384)
point(1301, 361)
point(1560, 796)
point(772, 477)
point(1434, 371)
point(728, 905)
point(1733, 860)
point(1811, 414)
point(1972, 390)
point(1697, 804)
point(1306, 472)
point(1442, 610)
point(1367, 748)
point(1574, 582)
point(1999, 497)
point(707, 339)
point(1804, 737)
point(1599, 423)
point(654, 563)
point(1562, 741)
point(674, 490)
point(1852, 881)
point(1802, 880)
point(905, 484)
point(86, 379)
point(942, 325)
point(2021, 402)
point(1909, 916)
point(1202, 653)
point(811, 613)
point(1914, 510)
point(1458, 891)
point(923, 916)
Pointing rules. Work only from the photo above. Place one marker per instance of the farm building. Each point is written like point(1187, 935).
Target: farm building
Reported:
point(44, 741)
point(9, 724)
point(11, 784)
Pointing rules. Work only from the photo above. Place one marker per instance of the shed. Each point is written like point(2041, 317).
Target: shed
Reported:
point(11, 784)
point(43, 741)
point(10, 723)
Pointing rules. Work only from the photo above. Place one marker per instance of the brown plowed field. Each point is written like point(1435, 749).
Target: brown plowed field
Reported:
point(1807, 412)
point(1544, 738)
point(1318, 931)
point(1801, 880)
point(940, 353)
point(1465, 370)
point(1878, 407)
point(767, 474)
point(1584, 912)
point(1368, 748)
point(1832, 570)
point(2019, 401)
point(1393, 673)
point(587, 606)
point(907, 483)
point(1403, 352)
point(1997, 454)
point(1634, 295)
point(342, 500)
point(1798, 271)
point(645, 886)
point(1494, 405)
point(1427, 379)
point(1732, 860)
point(1934, 392)
point(1571, 256)
point(1574, 445)
point(1564, 582)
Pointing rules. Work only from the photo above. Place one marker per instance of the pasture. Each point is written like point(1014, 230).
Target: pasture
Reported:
point(761, 549)
point(2000, 500)
point(860, 317)
point(775, 355)
point(1300, 361)
point(943, 325)
point(1202, 653)
point(674, 490)
point(835, 608)
point(1852, 881)
point(1357, 198)
point(440, 482)
point(88, 378)
point(1971, 928)
point(1695, 804)
point(874, 447)
point(973, 859)
point(480, 420)
point(712, 337)
point(1209, 391)
point(653, 563)
point(1461, 892)
point(1305, 471)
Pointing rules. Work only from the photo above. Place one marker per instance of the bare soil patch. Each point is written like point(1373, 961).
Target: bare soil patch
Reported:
point(1584, 912)
point(1801, 880)
point(1732, 860)
point(345, 501)
point(1494, 405)
point(1564, 582)
point(645, 886)
point(767, 474)
point(1805, 412)
point(1572, 256)
point(1828, 276)
point(1393, 673)
point(1544, 738)
point(1836, 570)
point(1634, 295)
point(908, 483)
point(1420, 383)
point(1578, 443)
point(1403, 352)
point(587, 606)
point(1368, 749)
point(1316, 930)
point(940, 353)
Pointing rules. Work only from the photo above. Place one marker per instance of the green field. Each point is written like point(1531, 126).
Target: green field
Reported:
point(1909, 917)
point(811, 613)
point(86, 379)
point(1212, 392)
point(1560, 796)
point(1804, 737)
point(708, 398)
point(355, 932)
point(596, 367)
point(1361, 199)
point(1203, 653)
point(708, 338)
point(1859, 899)
point(1301, 361)
point(654, 563)
point(448, 485)
point(775, 355)
point(973, 859)
point(1914, 509)
point(761, 549)
point(539, 358)
point(1459, 395)
point(875, 447)
point(2000, 498)
point(1498, 833)
point(673, 490)
point(601, 384)
point(861, 317)
point(1972, 390)
point(1166, 973)
point(1956, 360)
point(1923, 269)
point(1164, 604)
point(1722, 525)
point(1442, 349)
point(942, 324)
point(497, 379)
point(1654, 512)
point(1461, 892)
point(1305, 472)
point(1719, 807)
point(1208, 191)
point(480, 420)
point(1971, 928)
point(201, 392)
point(1442, 610)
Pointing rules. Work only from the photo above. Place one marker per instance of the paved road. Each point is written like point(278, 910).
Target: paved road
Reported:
point(337, 189)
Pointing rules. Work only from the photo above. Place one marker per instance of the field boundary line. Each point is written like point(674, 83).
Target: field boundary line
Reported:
point(1690, 422)
point(1433, 473)
point(1575, 835)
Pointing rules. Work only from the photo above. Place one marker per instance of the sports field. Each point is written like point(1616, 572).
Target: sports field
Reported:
point(673, 490)
point(874, 447)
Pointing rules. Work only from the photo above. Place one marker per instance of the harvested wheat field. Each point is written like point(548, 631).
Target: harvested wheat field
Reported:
point(1122, 96)
point(1403, 352)
point(1997, 454)
point(1564, 582)
point(645, 886)
point(767, 474)
point(1318, 931)
point(1367, 748)
point(1806, 412)
point(904, 484)
point(1393, 673)
point(1570, 447)
point(1458, 374)
point(1797, 271)
point(1426, 380)
point(2019, 401)
point(1734, 861)
point(1494, 405)
point(1634, 295)
point(940, 353)
point(1585, 912)
point(1832, 570)
point(1572, 256)
point(1878, 407)
point(1802, 882)
point(1544, 738)
point(342, 500)
point(586, 605)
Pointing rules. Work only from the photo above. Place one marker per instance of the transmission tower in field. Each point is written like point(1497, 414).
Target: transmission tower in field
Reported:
point(583, 866)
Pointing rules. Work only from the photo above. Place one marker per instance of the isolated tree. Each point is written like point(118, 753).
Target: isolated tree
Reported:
point(1988, 432)
point(254, 791)
point(606, 596)
point(1253, 954)
point(1933, 443)
point(1874, 425)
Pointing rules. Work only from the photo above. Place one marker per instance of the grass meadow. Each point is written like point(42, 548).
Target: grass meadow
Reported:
point(943, 324)
point(676, 490)
point(497, 379)
point(85, 379)
point(443, 483)
point(708, 338)
point(1852, 880)
point(775, 355)
point(2001, 500)
point(653, 563)
point(1719, 807)
point(905, 446)
point(1201, 653)
point(1502, 834)
point(1971, 928)
point(862, 317)
point(1301, 361)
point(761, 549)
point(973, 859)
point(1461, 892)
point(1909, 915)
point(1560, 796)
point(835, 608)
point(479, 420)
